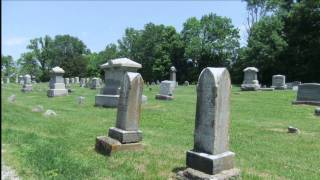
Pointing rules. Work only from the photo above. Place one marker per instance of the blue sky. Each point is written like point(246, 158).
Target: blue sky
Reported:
point(98, 23)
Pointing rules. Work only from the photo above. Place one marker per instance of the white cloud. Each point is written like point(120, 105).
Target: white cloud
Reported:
point(15, 41)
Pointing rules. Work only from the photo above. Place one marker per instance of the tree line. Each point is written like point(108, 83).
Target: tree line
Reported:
point(283, 38)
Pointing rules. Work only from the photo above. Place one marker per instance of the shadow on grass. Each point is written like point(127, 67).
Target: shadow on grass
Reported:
point(177, 169)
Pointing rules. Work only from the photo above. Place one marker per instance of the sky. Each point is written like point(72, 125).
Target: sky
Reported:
point(98, 23)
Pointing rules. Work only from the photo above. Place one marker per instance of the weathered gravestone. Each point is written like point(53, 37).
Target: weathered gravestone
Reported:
point(308, 93)
point(72, 80)
point(56, 84)
point(186, 83)
point(7, 80)
point(166, 91)
point(210, 156)
point(87, 83)
point(82, 82)
point(76, 80)
point(279, 82)
point(250, 82)
point(115, 70)
point(173, 71)
point(95, 83)
point(21, 80)
point(66, 81)
point(126, 135)
point(27, 86)
point(293, 84)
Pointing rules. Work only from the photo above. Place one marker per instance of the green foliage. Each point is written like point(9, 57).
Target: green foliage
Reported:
point(265, 44)
point(301, 60)
point(210, 41)
point(29, 65)
point(7, 66)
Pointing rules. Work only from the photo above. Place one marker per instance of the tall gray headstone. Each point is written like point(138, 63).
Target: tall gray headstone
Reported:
point(211, 154)
point(166, 90)
point(250, 82)
point(173, 71)
point(82, 82)
point(279, 82)
point(72, 80)
point(114, 70)
point(27, 86)
point(66, 81)
point(76, 80)
point(126, 134)
point(56, 84)
point(308, 93)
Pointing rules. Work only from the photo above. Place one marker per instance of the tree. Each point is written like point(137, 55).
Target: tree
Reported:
point(41, 49)
point(210, 41)
point(300, 60)
point(29, 64)
point(265, 44)
point(70, 54)
point(7, 66)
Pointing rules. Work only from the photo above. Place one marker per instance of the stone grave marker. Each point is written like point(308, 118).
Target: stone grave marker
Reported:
point(250, 82)
point(126, 135)
point(115, 70)
point(211, 156)
point(56, 84)
point(308, 93)
point(166, 91)
point(27, 86)
point(279, 82)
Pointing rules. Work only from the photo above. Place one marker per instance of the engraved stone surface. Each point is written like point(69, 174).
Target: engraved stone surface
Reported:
point(166, 90)
point(211, 153)
point(308, 93)
point(250, 82)
point(127, 130)
point(27, 86)
point(95, 83)
point(115, 70)
point(279, 82)
point(56, 84)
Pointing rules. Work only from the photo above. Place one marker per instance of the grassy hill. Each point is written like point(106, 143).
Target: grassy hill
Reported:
point(62, 147)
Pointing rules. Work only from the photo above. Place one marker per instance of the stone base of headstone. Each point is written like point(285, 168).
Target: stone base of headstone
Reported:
point(164, 97)
point(124, 136)
point(266, 89)
point(110, 101)
point(250, 87)
point(279, 87)
point(210, 164)
point(192, 174)
point(107, 145)
point(57, 92)
point(315, 103)
point(26, 88)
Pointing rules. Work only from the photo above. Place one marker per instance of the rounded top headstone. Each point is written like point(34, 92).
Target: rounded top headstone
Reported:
point(278, 75)
point(173, 69)
point(27, 76)
point(121, 62)
point(57, 70)
point(251, 69)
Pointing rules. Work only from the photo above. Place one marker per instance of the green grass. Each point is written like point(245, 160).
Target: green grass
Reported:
point(62, 147)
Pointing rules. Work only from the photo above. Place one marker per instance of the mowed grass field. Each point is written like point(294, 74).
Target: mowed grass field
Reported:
point(62, 147)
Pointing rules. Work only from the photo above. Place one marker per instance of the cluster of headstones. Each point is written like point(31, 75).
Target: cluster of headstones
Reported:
point(308, 93)
point(210, 155)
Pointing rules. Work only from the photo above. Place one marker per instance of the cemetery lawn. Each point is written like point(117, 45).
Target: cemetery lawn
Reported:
point(62, 147)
